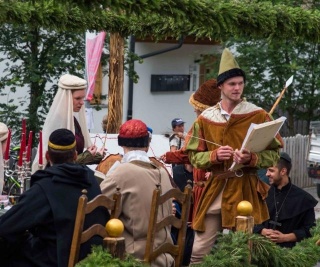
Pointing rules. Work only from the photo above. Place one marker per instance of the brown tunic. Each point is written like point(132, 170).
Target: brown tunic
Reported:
point(213, 127)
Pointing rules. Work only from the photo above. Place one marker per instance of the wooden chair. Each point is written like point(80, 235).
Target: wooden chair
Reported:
point(85, 207)
point(184, 198)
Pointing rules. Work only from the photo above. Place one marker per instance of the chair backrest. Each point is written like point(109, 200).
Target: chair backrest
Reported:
point(84, 208)
point(184, 198)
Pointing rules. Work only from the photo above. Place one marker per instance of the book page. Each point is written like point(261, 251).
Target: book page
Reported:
point(259, 136)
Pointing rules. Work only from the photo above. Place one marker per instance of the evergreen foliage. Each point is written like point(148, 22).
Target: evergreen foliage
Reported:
point(100, 257)
point(297, 20)
point(202, 18)
point(232, 250)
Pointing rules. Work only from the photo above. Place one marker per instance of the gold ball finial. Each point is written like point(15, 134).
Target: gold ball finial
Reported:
point(244, 208)
point(114, 228)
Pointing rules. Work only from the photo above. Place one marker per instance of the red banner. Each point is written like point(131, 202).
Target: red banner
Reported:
point(94, 48)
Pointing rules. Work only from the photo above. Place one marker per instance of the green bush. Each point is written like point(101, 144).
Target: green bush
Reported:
point(101, 257)
point(232, 250)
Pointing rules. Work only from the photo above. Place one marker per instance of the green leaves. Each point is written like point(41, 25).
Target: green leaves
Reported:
point(233, 250)
point(212, 18)
point(100, 257)
point(34, 58)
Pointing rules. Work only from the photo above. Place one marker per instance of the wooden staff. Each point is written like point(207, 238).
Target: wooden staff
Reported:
point(289, 81)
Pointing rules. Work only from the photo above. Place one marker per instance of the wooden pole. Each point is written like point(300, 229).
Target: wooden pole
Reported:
point(288, 82)
point(115, 246)
point(116, 77)
point(245, 224)
point(277, 101)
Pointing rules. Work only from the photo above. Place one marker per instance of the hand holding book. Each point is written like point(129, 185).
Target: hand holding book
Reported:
point(258, 137)
point(242, 156)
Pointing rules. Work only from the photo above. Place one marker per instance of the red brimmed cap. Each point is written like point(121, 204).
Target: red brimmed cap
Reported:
point(133, 133)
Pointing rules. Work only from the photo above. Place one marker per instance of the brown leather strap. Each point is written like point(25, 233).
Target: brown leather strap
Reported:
point(232, 174)
point(200, 183)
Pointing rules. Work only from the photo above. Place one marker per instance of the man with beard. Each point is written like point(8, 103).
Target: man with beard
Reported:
point(291, 208)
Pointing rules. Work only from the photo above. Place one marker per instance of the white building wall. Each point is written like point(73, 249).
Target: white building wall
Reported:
point(157, 109)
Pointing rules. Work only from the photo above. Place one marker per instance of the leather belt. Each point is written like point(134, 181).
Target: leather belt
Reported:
point(232, 174)
point(200, 183)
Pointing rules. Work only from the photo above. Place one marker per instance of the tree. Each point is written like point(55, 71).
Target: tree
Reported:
point(34, 60)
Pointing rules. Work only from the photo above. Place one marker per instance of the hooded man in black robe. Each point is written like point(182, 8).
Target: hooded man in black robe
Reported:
point(38, 230)
point(291, 208)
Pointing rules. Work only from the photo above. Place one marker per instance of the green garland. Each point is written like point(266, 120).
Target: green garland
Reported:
point(202, 18)
point(232, 250)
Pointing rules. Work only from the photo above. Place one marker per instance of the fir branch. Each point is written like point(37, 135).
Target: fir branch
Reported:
point(213, 19)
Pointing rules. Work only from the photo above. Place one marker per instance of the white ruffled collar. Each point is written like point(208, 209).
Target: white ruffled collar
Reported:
point(135, 155)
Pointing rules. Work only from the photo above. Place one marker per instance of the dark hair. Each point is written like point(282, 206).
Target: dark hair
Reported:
point(282, 163)
point(61, 156)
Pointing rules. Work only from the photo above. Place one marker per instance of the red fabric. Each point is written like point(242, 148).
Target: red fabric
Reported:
point(177, 157)
point(198, 177)
point(133, 129)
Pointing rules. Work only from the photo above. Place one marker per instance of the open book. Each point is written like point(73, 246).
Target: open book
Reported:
point(259, 136)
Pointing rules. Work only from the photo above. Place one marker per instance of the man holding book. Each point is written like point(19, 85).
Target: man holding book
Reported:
point(214, 142)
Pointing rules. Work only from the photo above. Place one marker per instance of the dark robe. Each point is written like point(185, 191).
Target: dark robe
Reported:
point(79, 136)
point(38, 230)
point(296, 214)
point(181, 177)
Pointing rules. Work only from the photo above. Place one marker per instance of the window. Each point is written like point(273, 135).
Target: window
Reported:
point(161, 83)
point(207, 66)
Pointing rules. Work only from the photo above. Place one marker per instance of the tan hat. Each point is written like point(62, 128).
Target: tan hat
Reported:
point(207, 95)
point(229, 67)
point(71, 82)
point(3, 132)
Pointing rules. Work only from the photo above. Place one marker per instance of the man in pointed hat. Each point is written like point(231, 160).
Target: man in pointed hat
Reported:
point(213, 144)
point(207, 95)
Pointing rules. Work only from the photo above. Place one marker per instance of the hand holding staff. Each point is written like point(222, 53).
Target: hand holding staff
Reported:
point(289, 81)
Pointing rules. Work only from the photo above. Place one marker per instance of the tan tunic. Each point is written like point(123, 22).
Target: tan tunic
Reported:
point(137, 181)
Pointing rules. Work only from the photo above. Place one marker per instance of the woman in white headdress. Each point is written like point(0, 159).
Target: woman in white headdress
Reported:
point(68, 111)
point(3, 139)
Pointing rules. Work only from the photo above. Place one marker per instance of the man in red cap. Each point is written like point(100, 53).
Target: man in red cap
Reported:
point(137, 177)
